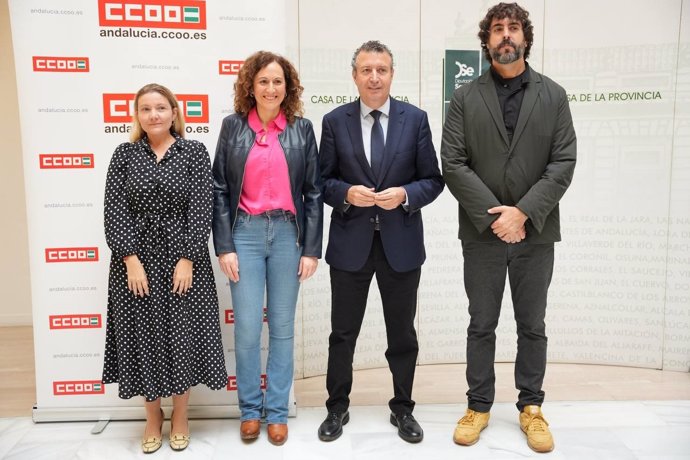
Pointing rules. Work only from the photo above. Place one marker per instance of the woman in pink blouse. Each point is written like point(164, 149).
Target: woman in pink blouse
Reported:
point(267, 229)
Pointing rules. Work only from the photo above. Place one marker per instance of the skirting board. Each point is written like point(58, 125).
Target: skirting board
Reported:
point(96, 414)
point(16, 320)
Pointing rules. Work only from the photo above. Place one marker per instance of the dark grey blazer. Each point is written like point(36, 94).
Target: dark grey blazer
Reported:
point(483, 169)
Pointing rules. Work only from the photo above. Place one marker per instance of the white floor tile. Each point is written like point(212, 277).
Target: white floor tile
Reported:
point(582, 430)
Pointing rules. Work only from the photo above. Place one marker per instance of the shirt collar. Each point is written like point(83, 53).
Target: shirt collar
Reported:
point(365, 110)
point(523, 78)
point(279, 123)
point(145, 137)
point(144, 140)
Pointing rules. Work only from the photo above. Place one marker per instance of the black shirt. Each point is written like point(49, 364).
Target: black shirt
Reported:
point(510, 92)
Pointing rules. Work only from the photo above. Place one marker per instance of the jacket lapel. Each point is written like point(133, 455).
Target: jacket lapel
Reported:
point(488, 93)
point(354, 128)
point(528, 101)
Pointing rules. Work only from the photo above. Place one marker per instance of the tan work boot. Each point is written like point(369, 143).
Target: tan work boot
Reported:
point(536, 428)
point(469, 427)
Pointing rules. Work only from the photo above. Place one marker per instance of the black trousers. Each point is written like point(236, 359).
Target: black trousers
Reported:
point(349, 291)
point(529, 268)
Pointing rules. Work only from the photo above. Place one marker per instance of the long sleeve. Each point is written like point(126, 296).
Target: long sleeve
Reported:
point(428, 183)
point(465, 185)
point(334, 188)
point(200, 206)
point(222, 224)
point(545, 194)
point(121, 232)
point(313, 199)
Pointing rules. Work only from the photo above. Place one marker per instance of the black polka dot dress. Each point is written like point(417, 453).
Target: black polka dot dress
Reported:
point(164, 343)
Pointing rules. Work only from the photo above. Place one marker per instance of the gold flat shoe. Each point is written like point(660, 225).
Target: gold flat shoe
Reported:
point(179, 441)
point(153, 443)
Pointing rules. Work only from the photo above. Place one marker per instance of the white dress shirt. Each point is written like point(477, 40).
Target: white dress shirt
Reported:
point(367, 122)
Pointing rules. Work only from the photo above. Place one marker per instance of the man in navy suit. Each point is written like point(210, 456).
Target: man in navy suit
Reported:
point(379, 168)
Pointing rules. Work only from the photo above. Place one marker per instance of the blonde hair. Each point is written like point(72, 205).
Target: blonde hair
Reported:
point(178, 123)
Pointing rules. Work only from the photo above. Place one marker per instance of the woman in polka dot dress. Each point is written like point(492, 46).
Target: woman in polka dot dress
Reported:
point(163, 332)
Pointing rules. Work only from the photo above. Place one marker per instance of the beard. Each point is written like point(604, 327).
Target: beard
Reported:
point(510, 57)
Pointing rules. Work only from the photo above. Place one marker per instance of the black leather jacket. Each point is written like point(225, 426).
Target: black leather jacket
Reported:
point(299, 145)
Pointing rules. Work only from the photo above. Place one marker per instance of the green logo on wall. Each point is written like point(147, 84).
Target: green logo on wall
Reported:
point(193, 108)
point(191, 14)
point(460, 67)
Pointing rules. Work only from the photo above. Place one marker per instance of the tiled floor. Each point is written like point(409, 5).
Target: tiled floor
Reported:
point(582, 430)
point(595, 412)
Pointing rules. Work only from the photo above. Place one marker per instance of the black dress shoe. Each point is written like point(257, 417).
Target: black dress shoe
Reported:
point(332, 427)
point(408, 428)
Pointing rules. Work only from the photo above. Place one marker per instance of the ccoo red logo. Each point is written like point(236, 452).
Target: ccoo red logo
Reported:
point(60, 64)
point(78, 387)
point(229, 67)
point(71, 254)
point(165, 14)
point(88, 321)
point(230, 316)
point(65, 160)
point(232, 382)
point(119, 107)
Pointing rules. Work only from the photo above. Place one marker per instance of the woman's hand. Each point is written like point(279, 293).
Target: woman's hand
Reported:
point(307, 267)
point(137, 282)
point(182, 276)
point(230, 265)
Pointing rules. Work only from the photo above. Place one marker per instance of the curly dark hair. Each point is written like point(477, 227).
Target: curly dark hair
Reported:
point(244, 98)
point(502, 11)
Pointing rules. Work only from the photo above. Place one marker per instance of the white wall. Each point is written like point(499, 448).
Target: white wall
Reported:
point(620, 293)
point(15, 307)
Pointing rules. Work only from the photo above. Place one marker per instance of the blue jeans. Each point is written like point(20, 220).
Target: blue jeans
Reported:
point(268, 256)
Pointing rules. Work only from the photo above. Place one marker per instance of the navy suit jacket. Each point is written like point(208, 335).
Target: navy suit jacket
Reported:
point(409, 161)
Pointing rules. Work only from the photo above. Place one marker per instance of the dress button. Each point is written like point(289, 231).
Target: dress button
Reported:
point(372, 220)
